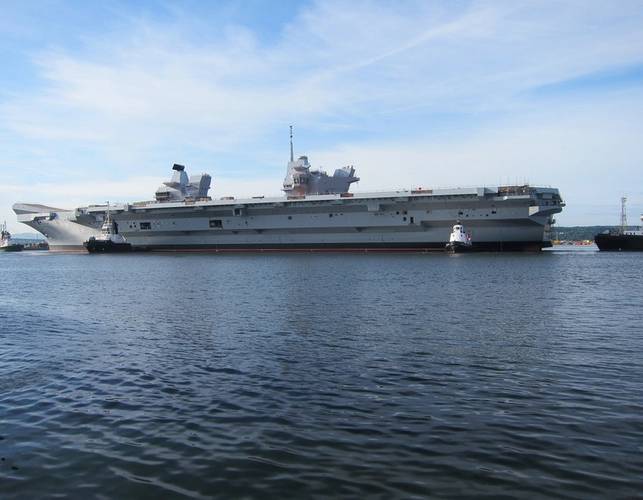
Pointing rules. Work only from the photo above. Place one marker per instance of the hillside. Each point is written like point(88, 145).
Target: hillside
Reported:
point(577, 233)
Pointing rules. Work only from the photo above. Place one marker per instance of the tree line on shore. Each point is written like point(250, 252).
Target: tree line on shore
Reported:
point(577, 233)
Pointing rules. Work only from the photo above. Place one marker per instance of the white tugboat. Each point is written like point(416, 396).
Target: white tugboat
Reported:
point(460, 240)
point(109, 240)
point(5, 241)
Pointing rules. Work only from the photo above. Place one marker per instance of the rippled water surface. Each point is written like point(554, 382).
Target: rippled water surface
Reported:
point(310, 375)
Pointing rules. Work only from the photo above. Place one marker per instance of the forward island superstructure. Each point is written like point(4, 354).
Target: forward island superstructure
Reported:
point(317, 213)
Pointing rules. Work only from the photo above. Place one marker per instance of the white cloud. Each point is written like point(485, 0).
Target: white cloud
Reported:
point(592, 155)
point(152, 83)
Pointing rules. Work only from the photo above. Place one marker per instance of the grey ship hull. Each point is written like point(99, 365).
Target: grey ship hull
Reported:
point(509, 218)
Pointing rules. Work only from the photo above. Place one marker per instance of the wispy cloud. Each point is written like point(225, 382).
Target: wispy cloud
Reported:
point(591, 155)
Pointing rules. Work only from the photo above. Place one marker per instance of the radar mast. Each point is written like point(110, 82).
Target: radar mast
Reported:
point(623, 215)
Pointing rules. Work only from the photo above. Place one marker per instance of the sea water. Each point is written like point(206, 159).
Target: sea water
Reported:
point(316, 375)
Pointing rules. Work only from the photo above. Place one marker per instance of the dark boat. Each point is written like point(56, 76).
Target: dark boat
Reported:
point(94, 245)
point(628, 241)
point(622, 239)
point(109, 241)
point(12, 248)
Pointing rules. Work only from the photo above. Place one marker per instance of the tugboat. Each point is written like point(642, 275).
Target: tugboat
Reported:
point(109, 241)
point(5, 241)
point(621, 239)
point(459, 241)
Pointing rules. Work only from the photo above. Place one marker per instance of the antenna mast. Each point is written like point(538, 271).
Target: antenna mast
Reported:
point(623, 215)
point(292, 156)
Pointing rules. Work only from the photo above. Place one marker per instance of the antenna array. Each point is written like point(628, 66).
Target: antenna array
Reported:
point(623, 214)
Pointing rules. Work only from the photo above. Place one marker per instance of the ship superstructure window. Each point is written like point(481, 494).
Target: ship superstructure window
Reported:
point(145, 225)
point(216, 223)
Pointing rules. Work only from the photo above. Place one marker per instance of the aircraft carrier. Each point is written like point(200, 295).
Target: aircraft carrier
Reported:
point(316, 213)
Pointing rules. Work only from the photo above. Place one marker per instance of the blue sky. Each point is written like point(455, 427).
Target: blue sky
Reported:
point(98, 99)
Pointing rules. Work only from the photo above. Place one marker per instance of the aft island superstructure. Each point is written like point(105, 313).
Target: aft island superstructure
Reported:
point(317, 213)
